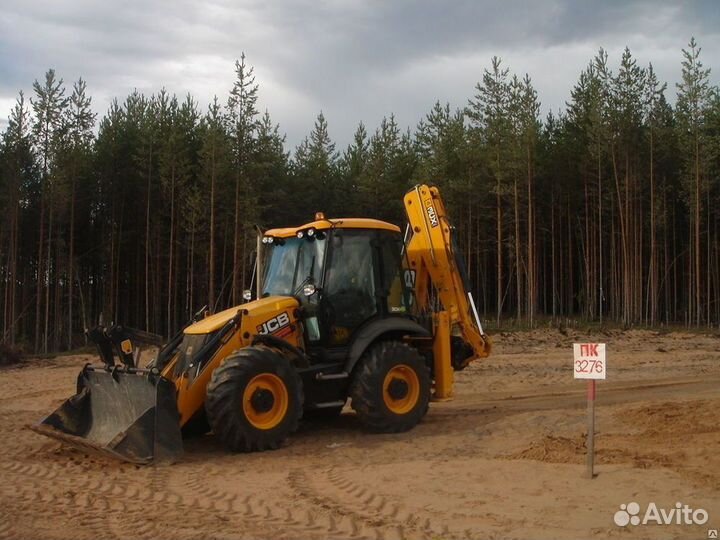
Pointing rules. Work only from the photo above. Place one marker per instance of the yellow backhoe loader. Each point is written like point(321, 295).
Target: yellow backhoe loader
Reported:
point(346, 308)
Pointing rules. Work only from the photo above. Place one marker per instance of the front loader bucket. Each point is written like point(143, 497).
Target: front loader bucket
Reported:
point(126, 414)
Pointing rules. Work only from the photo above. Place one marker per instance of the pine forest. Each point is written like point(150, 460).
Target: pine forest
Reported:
point(607, 211)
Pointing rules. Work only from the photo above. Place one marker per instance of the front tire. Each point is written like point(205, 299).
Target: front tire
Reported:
point(254, 400)
point(391, 389)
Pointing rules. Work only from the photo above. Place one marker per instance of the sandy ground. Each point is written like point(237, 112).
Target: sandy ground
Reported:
point(505, 459)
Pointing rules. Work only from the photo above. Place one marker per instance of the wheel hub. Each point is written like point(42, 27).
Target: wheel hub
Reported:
point(262, 400)
point(265, 401)
point(401, 389)
point(398, 389)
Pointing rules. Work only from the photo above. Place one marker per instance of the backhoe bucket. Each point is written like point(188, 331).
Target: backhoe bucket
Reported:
point(127, 414)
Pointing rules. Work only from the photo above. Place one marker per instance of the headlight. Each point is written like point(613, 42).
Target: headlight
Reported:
point(300, 234)
point(309, 289)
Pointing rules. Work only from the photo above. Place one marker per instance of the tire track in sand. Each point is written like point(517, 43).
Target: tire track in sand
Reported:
point(332, 481)
point(100, 503)
point(257, 511)
point(368, 513)
point(31, 497)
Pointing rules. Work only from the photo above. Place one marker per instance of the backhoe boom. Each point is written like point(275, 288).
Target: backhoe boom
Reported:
point(436, 264)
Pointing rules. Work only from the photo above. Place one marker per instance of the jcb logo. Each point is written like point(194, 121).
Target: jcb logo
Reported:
point(275, 324)
point(432, 215)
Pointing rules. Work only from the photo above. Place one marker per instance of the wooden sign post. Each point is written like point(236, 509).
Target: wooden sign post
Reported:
point(589, 363)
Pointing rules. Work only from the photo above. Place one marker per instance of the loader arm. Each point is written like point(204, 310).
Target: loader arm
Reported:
point(431, 256)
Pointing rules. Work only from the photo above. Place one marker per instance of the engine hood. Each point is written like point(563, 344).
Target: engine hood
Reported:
point(257, 309)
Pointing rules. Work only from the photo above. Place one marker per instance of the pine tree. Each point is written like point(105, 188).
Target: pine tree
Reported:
point(242, 125)
point(20, 175)
point(215, 162)
point(529, 130)
point(352, 165)
point(153, 109)
point(489, 118)
point(81, 122)
point(49, 105)
point(316, 171)
point(376, 184)
point(693, 99)
point(654, 105)
point(112, 158)
point(176, 171)
point(270, 170)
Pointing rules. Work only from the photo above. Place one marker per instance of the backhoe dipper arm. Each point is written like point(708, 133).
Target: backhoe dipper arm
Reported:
point(430, 254)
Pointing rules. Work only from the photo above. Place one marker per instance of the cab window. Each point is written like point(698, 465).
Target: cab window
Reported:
point(350, 284)
point(396, 294)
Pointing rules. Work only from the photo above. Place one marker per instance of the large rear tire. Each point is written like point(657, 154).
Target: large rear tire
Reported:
point(254, 400)
point(391, 389)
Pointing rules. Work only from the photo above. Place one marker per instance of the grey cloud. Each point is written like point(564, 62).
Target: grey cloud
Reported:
point(354, 60)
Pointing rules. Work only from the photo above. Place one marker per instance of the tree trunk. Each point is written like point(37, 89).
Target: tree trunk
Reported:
point(211, 257)
point(601, 293)
point(624, 245)
point(236, 245)
point(147, 242)
point(553, 273)
point(224, 262)
point(518, 269)
point(71, 266)
point(587, 308)
point(698, 280)
point(49, 280)
point(652, 271)
point(191, 295)
point(531, 283)
point(171, 258)
point(40, 272)
point(498, 209)
point(57, 301)
point(571, 273)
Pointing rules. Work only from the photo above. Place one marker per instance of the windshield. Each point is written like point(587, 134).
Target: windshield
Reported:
point(292, 264)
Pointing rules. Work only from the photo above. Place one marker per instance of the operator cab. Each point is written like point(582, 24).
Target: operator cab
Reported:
point(344, 272)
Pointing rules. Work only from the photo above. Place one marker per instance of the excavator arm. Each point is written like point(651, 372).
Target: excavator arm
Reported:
point(438, 267)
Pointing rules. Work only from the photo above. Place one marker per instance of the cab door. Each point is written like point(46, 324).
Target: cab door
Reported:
point(350, 285)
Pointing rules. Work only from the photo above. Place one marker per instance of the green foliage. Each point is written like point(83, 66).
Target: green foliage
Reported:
point(155, 215)
point(316, 170)
point(692, 108)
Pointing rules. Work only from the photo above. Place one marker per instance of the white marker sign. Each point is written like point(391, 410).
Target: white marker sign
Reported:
point(589, 360)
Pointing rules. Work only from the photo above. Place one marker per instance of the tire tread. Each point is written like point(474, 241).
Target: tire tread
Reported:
point(224, 392)
point(366, 389)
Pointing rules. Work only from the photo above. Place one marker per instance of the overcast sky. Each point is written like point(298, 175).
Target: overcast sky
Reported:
point(354, 60)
